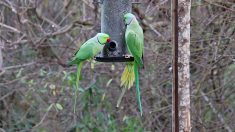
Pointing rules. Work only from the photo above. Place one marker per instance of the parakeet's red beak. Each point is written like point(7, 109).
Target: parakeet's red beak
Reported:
point(108, 40)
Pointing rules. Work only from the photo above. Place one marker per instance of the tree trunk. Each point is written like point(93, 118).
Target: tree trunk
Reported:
point(184, 7)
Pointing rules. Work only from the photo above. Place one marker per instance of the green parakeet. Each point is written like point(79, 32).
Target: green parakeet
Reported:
point(135, 43)
point(87, 51)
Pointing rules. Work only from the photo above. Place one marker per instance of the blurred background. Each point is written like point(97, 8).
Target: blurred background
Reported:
point(38, 37)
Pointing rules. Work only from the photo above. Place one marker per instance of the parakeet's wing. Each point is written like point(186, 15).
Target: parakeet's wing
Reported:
point(85, 52)
point(135, 46)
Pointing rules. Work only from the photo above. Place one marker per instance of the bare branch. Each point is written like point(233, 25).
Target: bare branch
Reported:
point(44, 116)
point(218, 5)
point(19, 66)
point(9, 27)
point(221, 118)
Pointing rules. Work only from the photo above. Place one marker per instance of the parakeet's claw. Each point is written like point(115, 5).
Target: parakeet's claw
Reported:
point(127, 56)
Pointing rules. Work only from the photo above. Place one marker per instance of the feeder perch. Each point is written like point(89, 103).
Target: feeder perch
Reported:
point(112, 23)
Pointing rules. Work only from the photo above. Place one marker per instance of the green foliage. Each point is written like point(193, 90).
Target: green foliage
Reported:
point(101, 122)
point(132, 124)
point(208, 116)
point(98, 122)
point(59, 106)
point(97, 114)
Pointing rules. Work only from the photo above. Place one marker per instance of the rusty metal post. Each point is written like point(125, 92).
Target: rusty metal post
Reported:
point(175, 93)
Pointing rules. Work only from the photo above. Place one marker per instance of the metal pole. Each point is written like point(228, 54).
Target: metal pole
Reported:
point(112, 23)
point(175, 93)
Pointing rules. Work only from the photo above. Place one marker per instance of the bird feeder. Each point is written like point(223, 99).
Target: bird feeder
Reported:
point(112, 23)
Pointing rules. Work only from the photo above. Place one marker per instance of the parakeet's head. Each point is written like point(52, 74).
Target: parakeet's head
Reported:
point(128, 18)
point(103, 38)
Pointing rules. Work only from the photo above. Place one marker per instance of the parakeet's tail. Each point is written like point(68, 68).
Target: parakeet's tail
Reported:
point(127, 80)
point(128, 76)
point(79, 67)
point(138, 87)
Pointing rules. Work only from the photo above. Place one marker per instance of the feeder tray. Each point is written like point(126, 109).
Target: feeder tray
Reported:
point(110, 53)
point(114, 59)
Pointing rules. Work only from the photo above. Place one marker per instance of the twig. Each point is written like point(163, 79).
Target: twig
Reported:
point(146, 24)
point(215, 4)
point(89, 4)
point(67, 28)
point(43, 118)
point(156, 7)
point(153, 29)
point(10, 6)
point(9, 27)
point(215, 111)
point(18, 66)
point(6, 95)
point(17, 79)
point(120, 97)
point(160, 109)
point(2, 130)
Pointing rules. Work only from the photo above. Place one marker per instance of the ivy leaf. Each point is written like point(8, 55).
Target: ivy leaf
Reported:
point(59, 106)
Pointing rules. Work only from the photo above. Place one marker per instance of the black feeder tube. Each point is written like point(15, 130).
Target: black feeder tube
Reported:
point(112, 23)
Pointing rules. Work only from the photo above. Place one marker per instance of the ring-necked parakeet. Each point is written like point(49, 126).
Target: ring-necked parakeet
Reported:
point(87, 51)
point(135, 43)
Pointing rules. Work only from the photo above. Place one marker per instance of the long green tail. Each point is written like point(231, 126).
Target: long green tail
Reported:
point(138, 87)
point(79, 67)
